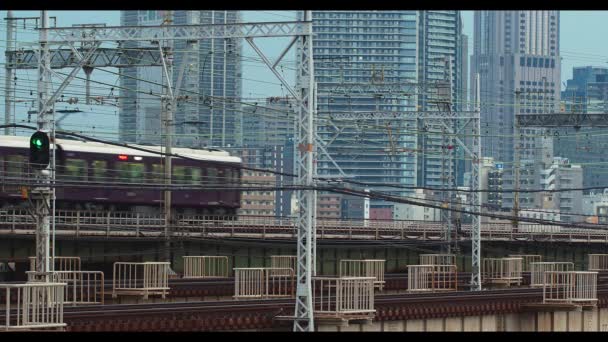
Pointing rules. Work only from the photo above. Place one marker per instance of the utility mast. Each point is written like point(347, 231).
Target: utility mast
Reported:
point(167, 102)
point(42, 194)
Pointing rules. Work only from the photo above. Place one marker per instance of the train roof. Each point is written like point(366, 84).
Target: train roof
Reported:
point(95, 147)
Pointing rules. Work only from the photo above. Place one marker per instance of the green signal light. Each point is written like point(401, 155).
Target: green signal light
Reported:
point(37, 143)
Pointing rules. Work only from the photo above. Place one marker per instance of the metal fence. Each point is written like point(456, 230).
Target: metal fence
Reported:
point(33, 306)
point(106, 223)
point(538, 269)
point(428, 278)
point(62, 263)
point(140, 278)
point(364, 268)
point(527, 259)
point(506, 271)
point(206, 267)
point(343, 298)
point(598, 262)
point(264, 282)
point(437, 259)
point(570, 287)
point(82, 287)
point(283, 262)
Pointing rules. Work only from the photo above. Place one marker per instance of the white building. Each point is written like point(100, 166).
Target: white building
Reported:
point(404, 211)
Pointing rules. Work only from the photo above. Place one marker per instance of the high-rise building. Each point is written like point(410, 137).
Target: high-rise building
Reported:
point(561, 174)
point(211, 80)
point(439, 44)
point(380, 47)
point(516, 51)
point(586, 92)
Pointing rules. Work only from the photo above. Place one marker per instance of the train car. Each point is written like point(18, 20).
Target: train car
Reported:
point(92, 165)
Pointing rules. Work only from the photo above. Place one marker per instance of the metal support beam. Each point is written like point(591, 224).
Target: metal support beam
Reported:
point(177, 32)
point(562, 120)
point(102, 58)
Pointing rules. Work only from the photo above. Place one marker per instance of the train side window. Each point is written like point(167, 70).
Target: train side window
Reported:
point(130, 171)
point(158, 173)
point(100, 170)
point(195, 175)
point(221, 175)
point(14, 165)
point(180, 174)
point(75, 169)
point(211, 176)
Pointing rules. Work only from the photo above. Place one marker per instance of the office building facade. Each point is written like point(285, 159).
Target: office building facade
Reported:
point(516, 54)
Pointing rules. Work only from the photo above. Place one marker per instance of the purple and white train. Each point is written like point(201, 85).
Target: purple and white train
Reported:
point(95, 164)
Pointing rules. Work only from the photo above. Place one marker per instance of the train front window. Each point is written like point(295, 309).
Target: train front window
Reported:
point(129, 172)
point(75, 169)
point(100, 170)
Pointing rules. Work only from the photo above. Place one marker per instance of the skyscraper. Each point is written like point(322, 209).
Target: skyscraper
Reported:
point(380, 47)
point(516, 51)
point(586, 92)
point(211, 80)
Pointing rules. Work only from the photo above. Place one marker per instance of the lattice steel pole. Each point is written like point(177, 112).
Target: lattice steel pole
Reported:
point(476, 197)
point(43, 193)
point(306, 198)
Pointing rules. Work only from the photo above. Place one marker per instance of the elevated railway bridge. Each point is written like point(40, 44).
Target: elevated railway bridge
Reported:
point(102, 238)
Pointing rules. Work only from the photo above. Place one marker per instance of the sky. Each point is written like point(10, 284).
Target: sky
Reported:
point(582, 35)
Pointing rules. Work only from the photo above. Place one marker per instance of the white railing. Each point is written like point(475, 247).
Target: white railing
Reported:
point(206, 267)
point(140, 279)
point(264, 282)
point(598, 262)
point(437, 259)
point(283, 262)
point(538, 269)
point(82, 287)
point(571, 287)
point(343, 298)
point(62, 263)
point(428, 278)
point(134, 224)
point(527, 259)
point(33, 306)
point(364, 268)
point(505, 271)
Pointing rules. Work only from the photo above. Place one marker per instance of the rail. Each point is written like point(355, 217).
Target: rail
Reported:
point(106, 223)
point(206, 267)
point(82, 287)
point(527, 259)
point(571, 287)
point(364, 268)
point(62, 263)
point(283, 262)
point(437, 259)
point(264, 282)
point(504, 271)
point(430, 278)
point(598, 262)
point(33, 306)
point(343, 298)
point(140, 278)
point(538, 269)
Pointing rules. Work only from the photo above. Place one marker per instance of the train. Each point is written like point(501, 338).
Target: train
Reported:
point(94, 165)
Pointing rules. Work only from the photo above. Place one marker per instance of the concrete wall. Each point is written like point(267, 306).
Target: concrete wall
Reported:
point(592, 320)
